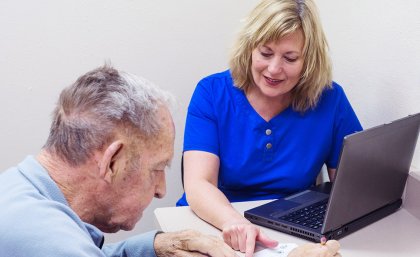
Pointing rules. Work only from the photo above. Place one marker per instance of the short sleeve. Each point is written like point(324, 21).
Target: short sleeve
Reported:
point(201, 124)
point(345, 123)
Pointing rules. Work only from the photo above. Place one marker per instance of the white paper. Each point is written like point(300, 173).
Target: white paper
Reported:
point(282, 250)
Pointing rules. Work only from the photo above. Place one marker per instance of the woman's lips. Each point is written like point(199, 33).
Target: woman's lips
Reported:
point(272, 82)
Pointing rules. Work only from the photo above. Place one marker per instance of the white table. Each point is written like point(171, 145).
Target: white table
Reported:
point(395, 235)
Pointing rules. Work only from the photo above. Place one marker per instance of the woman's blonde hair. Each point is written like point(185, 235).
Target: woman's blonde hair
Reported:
point(270, 21)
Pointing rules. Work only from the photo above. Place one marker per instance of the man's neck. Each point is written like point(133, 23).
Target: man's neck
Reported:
point(76, 183)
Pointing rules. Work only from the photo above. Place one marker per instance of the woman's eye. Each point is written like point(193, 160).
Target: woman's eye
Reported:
point(289, 59)
point(266, 54)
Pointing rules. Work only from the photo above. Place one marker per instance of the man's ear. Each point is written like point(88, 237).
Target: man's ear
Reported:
point(109, 156)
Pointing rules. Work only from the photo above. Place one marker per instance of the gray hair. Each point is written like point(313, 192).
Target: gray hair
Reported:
point(90, 111)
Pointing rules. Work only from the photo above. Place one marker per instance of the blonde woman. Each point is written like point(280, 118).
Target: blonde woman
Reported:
point(264, 128)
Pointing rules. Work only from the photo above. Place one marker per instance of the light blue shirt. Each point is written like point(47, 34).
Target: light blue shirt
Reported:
point(36, 220)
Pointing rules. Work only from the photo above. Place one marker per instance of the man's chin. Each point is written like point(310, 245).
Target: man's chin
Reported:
point(116, 228)
point(110, 229)
point(113, 228)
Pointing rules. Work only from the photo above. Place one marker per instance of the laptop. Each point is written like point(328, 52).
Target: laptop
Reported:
point(369, 184)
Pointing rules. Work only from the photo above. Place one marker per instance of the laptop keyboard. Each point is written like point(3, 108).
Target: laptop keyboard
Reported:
point(311, 216)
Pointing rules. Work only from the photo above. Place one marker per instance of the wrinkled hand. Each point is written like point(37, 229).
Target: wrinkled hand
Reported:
point(190, 243)
point(242, 236)
point(329, 249)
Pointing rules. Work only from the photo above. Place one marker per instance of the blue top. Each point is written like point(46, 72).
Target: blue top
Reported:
point(260, 159)
point(36, 220)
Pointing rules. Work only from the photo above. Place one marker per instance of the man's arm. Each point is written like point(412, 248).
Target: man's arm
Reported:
point(139, 245)
point(192, 242)
point(182, 243)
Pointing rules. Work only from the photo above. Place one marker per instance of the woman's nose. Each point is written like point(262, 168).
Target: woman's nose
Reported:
point(275, 66)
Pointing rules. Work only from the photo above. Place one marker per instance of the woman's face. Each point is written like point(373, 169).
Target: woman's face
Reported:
point(277, 66)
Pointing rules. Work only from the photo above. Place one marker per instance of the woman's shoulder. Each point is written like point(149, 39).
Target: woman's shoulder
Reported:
point(333, 96)
point(220, 78)
point(219, 75)
point(335, 89)
point(217, 83)
point(336, 92)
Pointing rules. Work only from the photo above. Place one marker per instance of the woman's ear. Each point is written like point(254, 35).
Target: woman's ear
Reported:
point(108, 160)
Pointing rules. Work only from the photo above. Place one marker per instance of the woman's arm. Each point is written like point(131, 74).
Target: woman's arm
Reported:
point(331, 174)
point(201, 170)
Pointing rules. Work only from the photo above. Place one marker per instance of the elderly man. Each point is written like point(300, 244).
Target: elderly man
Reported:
point(110, 142)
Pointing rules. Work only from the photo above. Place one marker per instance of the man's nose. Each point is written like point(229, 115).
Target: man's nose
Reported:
point(160, 187)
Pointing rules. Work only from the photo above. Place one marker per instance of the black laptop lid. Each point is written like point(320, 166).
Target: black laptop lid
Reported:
point(372, 172)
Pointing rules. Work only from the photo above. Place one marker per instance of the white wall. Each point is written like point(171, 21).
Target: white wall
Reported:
point(375, 47)
point(46, 44)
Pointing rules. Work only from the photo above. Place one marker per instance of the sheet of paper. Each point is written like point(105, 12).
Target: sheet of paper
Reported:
point(282, 250)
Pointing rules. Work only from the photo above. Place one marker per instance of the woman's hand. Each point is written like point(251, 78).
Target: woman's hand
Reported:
point(242, 236)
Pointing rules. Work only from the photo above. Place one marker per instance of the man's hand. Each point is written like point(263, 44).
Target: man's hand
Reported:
point(190, 243)
point(243, 235)
point(329, 249)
